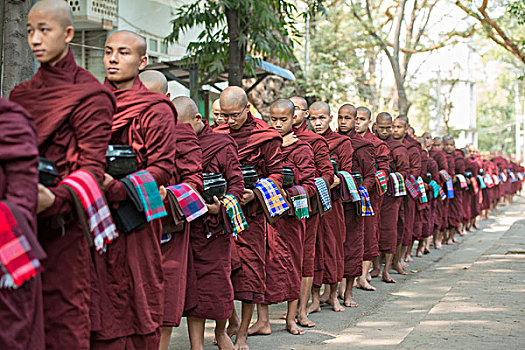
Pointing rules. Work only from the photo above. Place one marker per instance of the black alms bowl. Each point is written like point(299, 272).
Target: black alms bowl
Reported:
point(428, 178)
point(334, 164)
point(250, 175)
point(468, 174)
point(47, 173)
point(120, 161)
point(288, 177)
point(214, 185)
point(358, 178)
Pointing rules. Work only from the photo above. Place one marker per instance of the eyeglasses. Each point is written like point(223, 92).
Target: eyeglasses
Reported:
point(233, 115)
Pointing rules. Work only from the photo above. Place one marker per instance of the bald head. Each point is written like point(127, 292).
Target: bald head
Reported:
point(283, 105)
point(154, 81)
point(186, 108)
point(320, 106)
point(58, 8)
point(233, 97)
point(384, 117)
point(299, 101)
point(364, 111)
point(216, 105)
point(348, 108)
point(132, 39)
point(402, 120)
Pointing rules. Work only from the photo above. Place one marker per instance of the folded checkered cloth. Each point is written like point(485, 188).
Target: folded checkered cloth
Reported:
point(422, 193)
point(100, 224)
point(475, 186)
point(234, 211)
point(496, 179)
point(412, 187)
point(512, 176)
point(520, 176)
point(489, 181)
point(149, 195)
point(17, 261)
point(399, 184)
point(445, 175)
point(366, 206)
point(435, 188)
point(503, 177)
point(462, 181)
point(381, 181)
point(481, 182)
point(272, 197)
point(190, 202)
point(322, 189)
point(349, 182)
point(299, 198)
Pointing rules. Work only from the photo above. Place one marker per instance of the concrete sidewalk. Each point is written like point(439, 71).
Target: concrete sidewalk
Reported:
point(470, 295)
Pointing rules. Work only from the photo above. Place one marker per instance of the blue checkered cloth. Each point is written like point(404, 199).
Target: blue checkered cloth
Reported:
point(422, 193)
point(366, 206)
point(272, 197)
point(322, 189)
point(482, 183)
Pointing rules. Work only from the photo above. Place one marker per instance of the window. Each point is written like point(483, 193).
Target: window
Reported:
point(163, 48)
point(153, 59)
point(153, 45)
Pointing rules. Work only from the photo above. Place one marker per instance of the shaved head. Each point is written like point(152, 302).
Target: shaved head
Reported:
point(403, 120)
point(186, 108)
point(384, 117)
point(347, 107)
point(365, 111)
point(299, 101)
point(233, 97)
point(320, 106)
point(283, 105)
point(58, 8)
point(137, 42)
point(154, 81)
point(216, 104)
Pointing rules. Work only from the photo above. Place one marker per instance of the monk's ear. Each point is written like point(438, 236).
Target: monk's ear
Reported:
point(168, 95)
point(70, 33)
point(198, 117)
point(143, 62)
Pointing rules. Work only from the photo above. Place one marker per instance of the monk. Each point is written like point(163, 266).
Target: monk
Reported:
point(260, 146)
point(325, 170)
point(363, 163)
point(73, 115)
point(216, 111)
point(441, 219)
point(211, 256)
point(390, 206)
point(129, 312)
point(382, 161)
point(332, 225)
point(284, 252)
point(21, 309)
point(175, 246)
point(456, 204)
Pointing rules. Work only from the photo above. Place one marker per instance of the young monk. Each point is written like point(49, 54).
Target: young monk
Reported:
point(324, 169)
point(176, 264)
point(363, 163)
point(260, 146)
point(389, 213)
point(457, 163)
point(130, 310)
point(382, 159)
point(332, 226)
point(216, 111)
point(21, 309)
point(284, 253)
point(73, 115)
point(211, 256)
point(441, 219)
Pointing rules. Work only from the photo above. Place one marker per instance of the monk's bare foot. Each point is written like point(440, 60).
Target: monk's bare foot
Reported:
point(313, 307)
point(260, 328)
point(323, 299)
point(419, 254)
point(375, 273)
point(364, 285)
point(305, 322)
point(450, 241)
point(223, 341)
point(368, 277)
point(233, 327)
point(294, 329)
point(455, 240)
point(336, 306)
point(241, 343)
point(386, 277)
point(349, 301)
point(397, 268)
point(283, 316)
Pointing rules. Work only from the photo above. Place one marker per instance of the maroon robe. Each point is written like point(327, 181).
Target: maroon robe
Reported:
point(179, 276)
point(414, 156)
point(441, 217)
point(73, 114)
point(422, 209)
point(324, 169)
point(212, 255)
point(472, 204)
point(456, 211)
point(21, 309)
point(354, 246)
point(128, 308)
point(284, 254)
point(432, 211)
point(260, 146)
point(390, 205)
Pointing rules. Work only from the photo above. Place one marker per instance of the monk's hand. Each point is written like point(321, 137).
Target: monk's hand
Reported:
point(215, 207)
point(247, 196)
point(289, 139)
point(163, 192)
point(336, 182)
point(107, 179)
point(46, 198)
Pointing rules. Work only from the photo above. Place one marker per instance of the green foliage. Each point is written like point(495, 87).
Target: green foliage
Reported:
point(266, 29)
point(517, 10)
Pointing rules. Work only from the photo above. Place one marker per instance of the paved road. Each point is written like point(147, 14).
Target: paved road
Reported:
point(467, 296)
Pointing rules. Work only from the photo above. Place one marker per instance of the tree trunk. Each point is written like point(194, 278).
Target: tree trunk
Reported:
point(235, 52)
point(17, 58)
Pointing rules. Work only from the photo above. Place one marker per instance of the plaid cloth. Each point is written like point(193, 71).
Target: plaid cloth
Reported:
point(366, 206)
point(422, 193)
point(475, 186)
point(503, 177)
point(322, 189)
point(435, 188)
point(17, 261)
point(399, 184)
point(412, 187)
point(450, 189)
point(234, 211)
point(445, 175)
point(381, 181)
point(350, 185)
point(299, 198)
point(496, 179)
point(85, 187)
point(462, 181)
point(489, 181)
point(272, 197)
point(482, 184)
point(149, 195)
point(512, 176)
point(190, 202)
point(520, 176)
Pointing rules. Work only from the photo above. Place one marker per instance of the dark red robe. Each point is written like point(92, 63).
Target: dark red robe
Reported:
point(456, 210)
point(21, 310)
point(414, 156)
point(441, 217)
point(284, 254)
point(211, 255)
point(128, 305)
point(422, 209)
point(472, 204)
point(324, 169)
point(73, 115)
point(432, 211)
point(260, 146)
